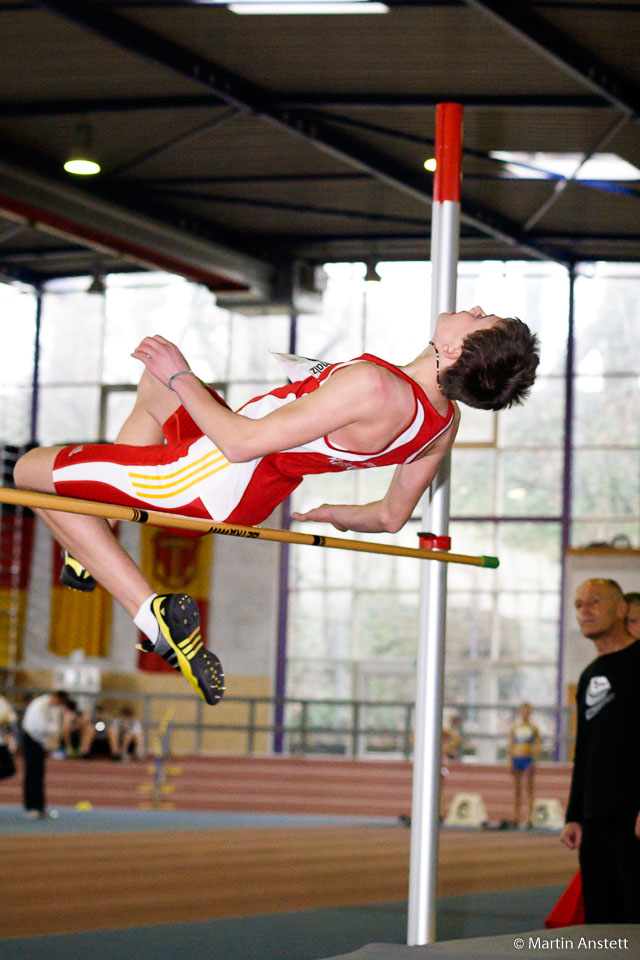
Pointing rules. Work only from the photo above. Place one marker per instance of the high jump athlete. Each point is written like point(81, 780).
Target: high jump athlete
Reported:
point(183, 450)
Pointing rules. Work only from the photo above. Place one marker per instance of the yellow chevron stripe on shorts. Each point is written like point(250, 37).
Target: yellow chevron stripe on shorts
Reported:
point(177, 473)
point(143, 488)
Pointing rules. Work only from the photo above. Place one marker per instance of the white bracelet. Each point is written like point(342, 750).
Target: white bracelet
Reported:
point(178, 374)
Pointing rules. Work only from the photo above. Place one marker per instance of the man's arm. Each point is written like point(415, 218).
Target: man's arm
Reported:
point(571, 834)
point(390, 514)
point(358, 394)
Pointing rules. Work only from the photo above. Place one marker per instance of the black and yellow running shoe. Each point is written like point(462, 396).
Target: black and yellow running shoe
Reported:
point(161, 648)
point(74, 575)
point(179, 627)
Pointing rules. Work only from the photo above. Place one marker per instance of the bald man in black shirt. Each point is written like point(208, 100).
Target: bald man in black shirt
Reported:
point(603, 814)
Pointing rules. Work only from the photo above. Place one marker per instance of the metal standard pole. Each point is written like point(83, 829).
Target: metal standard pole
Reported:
point(283, 602)
point(567, 492)
point(35, 383)
point(425, 810)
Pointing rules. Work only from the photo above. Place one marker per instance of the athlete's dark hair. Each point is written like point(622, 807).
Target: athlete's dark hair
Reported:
point(496, 368)
point(632, 597)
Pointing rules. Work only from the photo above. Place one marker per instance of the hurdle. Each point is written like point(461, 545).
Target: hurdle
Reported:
point(156, 518)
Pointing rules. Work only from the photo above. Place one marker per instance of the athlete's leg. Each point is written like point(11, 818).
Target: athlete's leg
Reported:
point(517, 793)
point(531, 787)
point(143, 427)
point(88, 539)
point(171, 622)
point(154, 404)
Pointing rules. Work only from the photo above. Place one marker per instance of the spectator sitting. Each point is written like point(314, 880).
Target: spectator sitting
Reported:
point(8, 721)
point(125, 736)
point(95, 740)
point(452, 739)
point(8, 746)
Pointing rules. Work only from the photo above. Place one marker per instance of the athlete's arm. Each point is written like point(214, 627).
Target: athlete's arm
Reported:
point(390, 514)
point(537, 743)
point(357, 394)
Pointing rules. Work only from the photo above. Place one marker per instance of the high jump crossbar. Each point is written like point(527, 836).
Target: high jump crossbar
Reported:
point(156, 518)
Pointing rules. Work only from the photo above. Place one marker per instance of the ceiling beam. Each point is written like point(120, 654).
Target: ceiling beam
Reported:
point(30, 196)
point(67, 106)
point(561, 49)
point(186, 4)
point(350, 214)
point(612, 6)
point(197, 181)
point(404, 101)
point(35, 254)
point(14, 273)
point(238, 92)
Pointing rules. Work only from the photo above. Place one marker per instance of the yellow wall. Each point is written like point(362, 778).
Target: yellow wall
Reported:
point(183, 742)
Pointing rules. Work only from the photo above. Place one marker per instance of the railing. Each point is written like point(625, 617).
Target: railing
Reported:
point(341, 727)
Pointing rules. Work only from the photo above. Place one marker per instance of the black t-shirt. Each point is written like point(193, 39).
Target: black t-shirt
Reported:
point(606, 770)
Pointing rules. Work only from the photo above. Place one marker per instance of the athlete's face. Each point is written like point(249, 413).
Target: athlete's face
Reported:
point(454, 327)
point(599, 609)
point(633, 620)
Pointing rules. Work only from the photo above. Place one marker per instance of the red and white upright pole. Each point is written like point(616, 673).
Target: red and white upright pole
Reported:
point(425, 810)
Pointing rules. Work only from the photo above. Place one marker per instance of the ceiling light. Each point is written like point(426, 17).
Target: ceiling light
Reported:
point(517, 493)
point(97, 285)
point(430, 164)
point(545, 166)
point(372, 275)
point(307, 6)
point(81, 159)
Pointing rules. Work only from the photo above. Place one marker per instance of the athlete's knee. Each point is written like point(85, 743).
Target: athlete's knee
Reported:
point(149, 388)
point(153, 397)
point(24, 470)
point(34, 469)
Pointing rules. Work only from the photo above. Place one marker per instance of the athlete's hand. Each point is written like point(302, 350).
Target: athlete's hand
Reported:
point(323, 514)
point(571, 835)
point(161, 357)
point(637, 829)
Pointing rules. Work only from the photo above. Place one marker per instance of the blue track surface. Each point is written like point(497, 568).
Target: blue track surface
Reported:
point(110, 820)
point(303, 935)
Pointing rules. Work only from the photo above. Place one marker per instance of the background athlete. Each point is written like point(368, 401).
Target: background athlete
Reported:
point(183, 450)
point(525, 744)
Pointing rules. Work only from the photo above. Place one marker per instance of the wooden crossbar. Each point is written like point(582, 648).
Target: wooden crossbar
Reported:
point(157, 518)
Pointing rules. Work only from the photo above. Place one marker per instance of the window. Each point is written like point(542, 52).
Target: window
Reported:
point(506, 500)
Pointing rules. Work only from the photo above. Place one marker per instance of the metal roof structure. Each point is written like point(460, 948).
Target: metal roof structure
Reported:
point(233, 147)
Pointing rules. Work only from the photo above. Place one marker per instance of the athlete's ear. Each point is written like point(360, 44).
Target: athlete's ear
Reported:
point(451, 351)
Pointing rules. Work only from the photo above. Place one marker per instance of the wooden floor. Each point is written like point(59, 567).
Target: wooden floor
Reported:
point(66, 883)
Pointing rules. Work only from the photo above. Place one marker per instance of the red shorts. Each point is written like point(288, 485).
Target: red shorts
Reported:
point(161, 476)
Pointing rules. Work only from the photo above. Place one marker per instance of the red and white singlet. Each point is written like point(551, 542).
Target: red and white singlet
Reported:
point(188, 475)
